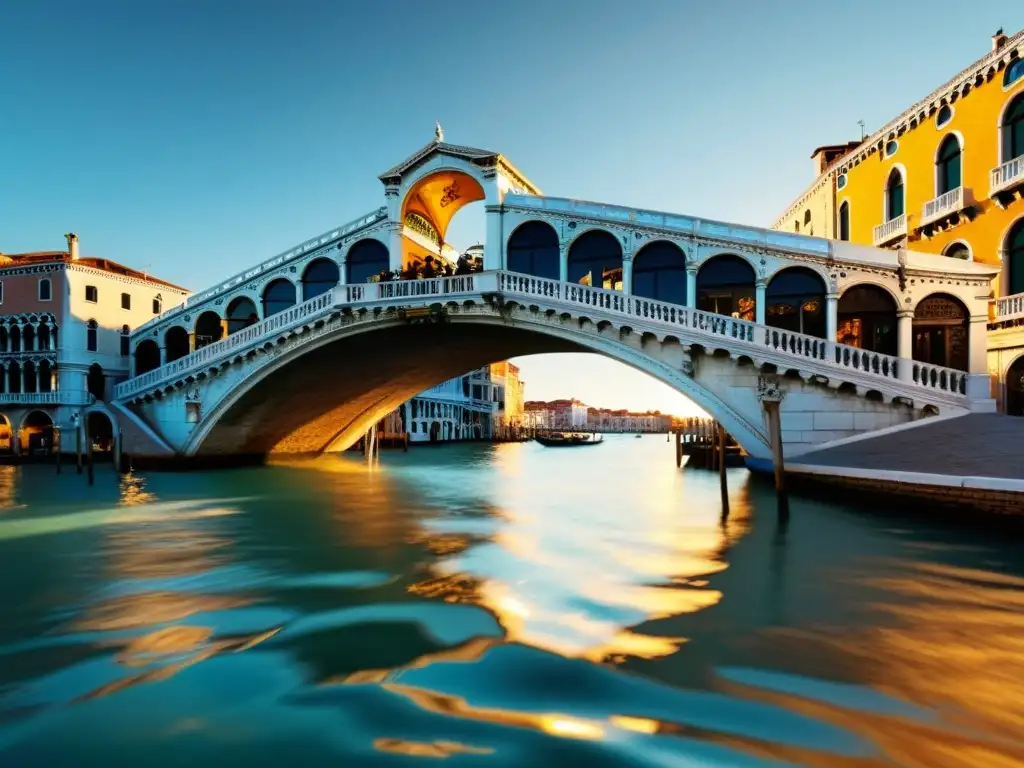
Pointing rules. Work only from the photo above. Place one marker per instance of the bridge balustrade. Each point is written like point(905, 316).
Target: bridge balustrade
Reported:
point(741, 336)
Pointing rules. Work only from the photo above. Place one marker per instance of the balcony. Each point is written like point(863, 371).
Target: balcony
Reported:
point(47, 398)
point(890, 231)
point(1006, 180)
point(1009, 308)
point(946, 207)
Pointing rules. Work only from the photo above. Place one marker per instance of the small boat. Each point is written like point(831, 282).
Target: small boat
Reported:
point(637, 436)
point(567, 439)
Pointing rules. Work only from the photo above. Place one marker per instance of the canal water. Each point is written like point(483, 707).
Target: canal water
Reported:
point(507, 605)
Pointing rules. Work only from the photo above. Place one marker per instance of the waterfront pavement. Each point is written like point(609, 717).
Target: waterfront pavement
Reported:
point(975, 445)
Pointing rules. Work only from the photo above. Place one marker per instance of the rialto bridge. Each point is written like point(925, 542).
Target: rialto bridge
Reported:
point(302, 352)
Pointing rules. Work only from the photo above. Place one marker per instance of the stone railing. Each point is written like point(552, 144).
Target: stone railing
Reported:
point(786, 349)
point(891, 230)
point(1010, 308)
point(253, 335)
point(74, 398)
point(744, 334)
point(1007, 175)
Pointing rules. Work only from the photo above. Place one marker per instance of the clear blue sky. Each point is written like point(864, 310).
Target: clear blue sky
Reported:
point(194, 138)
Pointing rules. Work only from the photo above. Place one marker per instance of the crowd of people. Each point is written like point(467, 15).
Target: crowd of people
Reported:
point(428, 268)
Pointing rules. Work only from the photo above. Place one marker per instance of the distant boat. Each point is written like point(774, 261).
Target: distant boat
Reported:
point(637, 436)
point(568, 439)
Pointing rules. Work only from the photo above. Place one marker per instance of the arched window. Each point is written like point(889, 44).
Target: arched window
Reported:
point(948, 165)
point(3, 338)
point(533, 250)
point(43, 336)
point(175, 343)
point(867, 319)
point(1015, 258)
point(659, 272)
point(126, 348)
point(595, 259)
point(1015, 388)
point(147, 356)
point(844, 220)
point(96, 381)
point(958, 250)
point(91, 331)
point(320, 276)
point(796, 301)
point(944, 116)
point(1013, 73)
point(14, 378)
point(45, 376)
point(158, 304)
point(725, 286)
point(45, 289)
point(364, 260)
point(241, 314)
point(894, 195)
point(15, 338)
point(28, 337)
point(209, 329)
point(31, 377)
point(278, 296)
point(1013, 129)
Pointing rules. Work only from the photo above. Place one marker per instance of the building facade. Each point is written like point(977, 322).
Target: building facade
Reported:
point(65, 322)
point(607, 420)
point(945, 177)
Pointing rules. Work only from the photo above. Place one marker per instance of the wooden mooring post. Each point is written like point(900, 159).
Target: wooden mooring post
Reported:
point(771, 398)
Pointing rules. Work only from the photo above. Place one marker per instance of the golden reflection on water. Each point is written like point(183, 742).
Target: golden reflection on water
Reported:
point(644, 567)
point(8, 480)
point(954, 644)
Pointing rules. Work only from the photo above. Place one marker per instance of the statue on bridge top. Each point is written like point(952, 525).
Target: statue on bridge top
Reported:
point(438, 132)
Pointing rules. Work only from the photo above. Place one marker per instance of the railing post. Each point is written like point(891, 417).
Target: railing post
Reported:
point(691, 287)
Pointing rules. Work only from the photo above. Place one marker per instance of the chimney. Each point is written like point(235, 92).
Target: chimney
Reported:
point(72, 239)
point(998, 40)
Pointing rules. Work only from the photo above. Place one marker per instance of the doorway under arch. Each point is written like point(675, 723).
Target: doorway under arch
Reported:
point(659, 272)
point(96, 381)
point(867, 319)
point(6, 435)
point(101, 432)
point(147, 356)
point(940, 332)
point(175, 343)
point(364, 260)
point(1015, 388)
point(241, 314)
point(320, 276)
point(36, 434)
point(533, 250)
point(209, 329)
point(278, 296)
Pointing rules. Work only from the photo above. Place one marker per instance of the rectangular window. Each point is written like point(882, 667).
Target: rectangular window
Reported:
point(90, 339)
point(1, 293)
point(44, 289)
point(156, 306)
point(91, 294)
point(125, 346)
point(126, 301)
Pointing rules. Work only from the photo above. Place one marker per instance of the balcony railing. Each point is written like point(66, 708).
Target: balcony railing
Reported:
point(1010, 308)
point(891, 230)
point(73, 398)
point(945, 204)
point(1007, 176)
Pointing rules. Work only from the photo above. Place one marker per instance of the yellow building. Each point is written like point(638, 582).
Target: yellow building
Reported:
point(945, 177)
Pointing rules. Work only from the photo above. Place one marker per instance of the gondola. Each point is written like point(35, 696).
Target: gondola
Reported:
point(568, 439)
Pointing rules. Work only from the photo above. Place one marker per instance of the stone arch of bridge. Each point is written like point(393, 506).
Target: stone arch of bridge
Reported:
point(327, 392)
point(432, 198)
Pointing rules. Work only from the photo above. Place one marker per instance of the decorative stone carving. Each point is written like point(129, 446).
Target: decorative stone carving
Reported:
point(768, 389)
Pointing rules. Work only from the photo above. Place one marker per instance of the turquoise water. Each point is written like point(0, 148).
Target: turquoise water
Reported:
point(496, 605)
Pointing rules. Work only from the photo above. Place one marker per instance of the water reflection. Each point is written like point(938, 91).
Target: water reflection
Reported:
point(503, 604)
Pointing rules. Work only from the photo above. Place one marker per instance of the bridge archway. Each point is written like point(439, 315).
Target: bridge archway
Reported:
point(725, 286)
point(433, 201)
point(533, 249)
point(867, 319)
point(6, 435)
point(147, 356)
point(659, 272)
point(595, 259)
point(241, 314)
point(175, 343)
point(209, 328)
point(101, 432)
point(278, 296)
point(321, 275)
point(35, 434)
point(365, 259)
point(795, 299)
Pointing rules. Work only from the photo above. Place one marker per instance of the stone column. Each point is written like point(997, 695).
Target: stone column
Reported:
point(691, 287)
point(627, 274)
point(192, 342)
point(395, 245)
point(760, 305)
point(831, 316)
point(53, 378)
point(978, 344)
point(493, 244)
point(563, 262)
point(905, 333)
